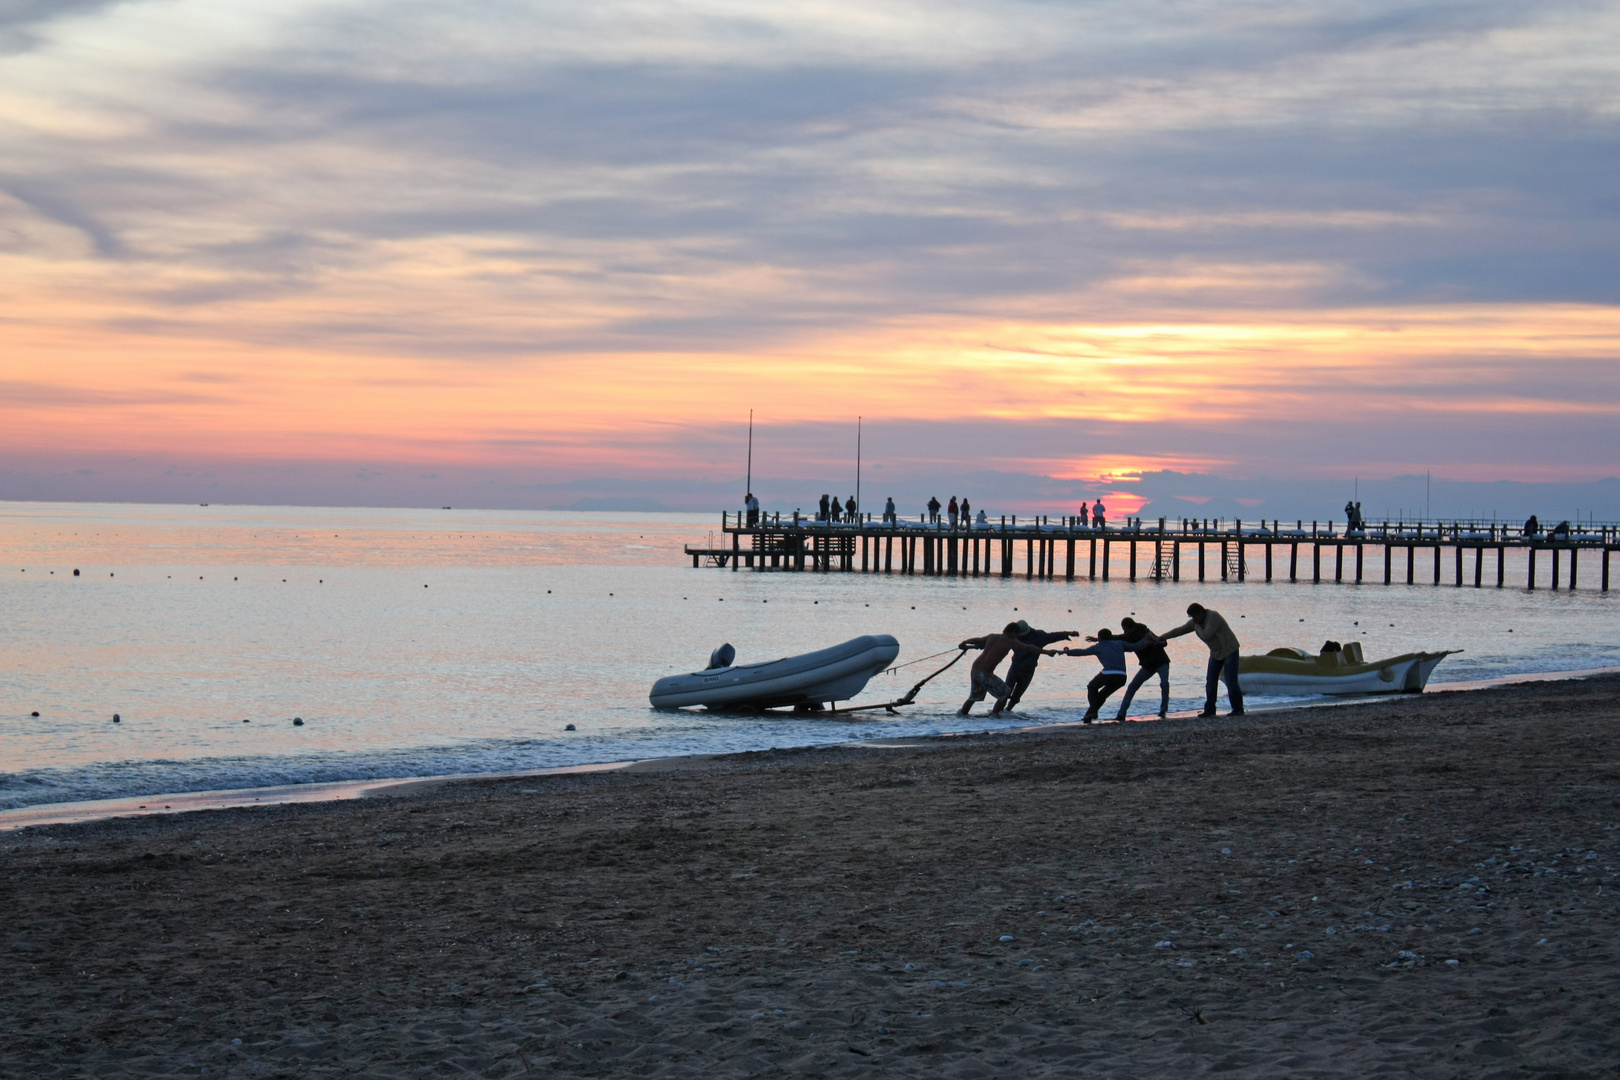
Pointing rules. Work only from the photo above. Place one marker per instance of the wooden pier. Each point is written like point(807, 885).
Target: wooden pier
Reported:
point(1044, 548)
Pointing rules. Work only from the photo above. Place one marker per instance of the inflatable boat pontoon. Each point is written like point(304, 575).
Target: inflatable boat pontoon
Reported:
point(1336, 670)
point(807, 681)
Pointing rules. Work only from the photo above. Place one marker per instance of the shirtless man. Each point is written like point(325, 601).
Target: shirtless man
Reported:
point(984, 680)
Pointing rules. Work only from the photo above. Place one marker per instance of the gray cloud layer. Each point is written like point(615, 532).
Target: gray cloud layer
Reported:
point(887, 162)
point(1477, 139)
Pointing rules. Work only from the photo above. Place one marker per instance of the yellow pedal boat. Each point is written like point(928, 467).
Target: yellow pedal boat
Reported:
point(1336, 670)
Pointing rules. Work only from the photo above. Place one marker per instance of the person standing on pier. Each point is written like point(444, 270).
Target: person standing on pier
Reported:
point(1098, 521)
point(951, 511)
point(983, 674)
point(889, 516)
point(1022, 669)
point(1213, 631)
point(823, 513)
point(1153, 660)
point(933, 509)
point(1085, 515)
point(849, 509)
point(752, 505)
point(967, 513)
point(1110, 652)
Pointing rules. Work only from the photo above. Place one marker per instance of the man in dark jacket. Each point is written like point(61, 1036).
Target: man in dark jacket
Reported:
point(1151, 660)
point(983, 674)
point(1022, 668)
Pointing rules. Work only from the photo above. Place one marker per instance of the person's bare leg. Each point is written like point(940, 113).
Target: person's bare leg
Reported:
point(1001, 704)
point(967, 706)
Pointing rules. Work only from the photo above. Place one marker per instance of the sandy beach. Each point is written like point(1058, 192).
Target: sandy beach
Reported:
point(1418, 887)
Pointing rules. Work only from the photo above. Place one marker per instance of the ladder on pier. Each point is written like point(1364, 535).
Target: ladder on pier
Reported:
point(715, 556)
point(1164, 560)
point(1236, 568)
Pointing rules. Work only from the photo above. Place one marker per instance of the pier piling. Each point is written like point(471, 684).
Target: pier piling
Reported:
point(930, 550)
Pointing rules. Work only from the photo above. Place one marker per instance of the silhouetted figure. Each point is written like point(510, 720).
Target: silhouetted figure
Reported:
point(834, 509)
point(1022, 668)
point(889, 516)
point(1085, 515)
point(1098, 520)
point(822, 514)
point(752, 505)
point(1153, 660)
point(1560, 531)
point(1532, 527)
point(1110, 653)
point(933, 509)
point(1213, 631)
point(849, 510)
point(951, 511)
point(967, 513)
point(983, 675)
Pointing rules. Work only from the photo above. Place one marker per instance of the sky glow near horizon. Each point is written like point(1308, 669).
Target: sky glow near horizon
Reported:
point(1274, 238)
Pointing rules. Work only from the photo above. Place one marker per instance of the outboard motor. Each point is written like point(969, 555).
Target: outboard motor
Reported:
point(721, 657)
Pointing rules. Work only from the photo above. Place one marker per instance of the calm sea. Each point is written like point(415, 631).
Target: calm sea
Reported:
point(418, 642)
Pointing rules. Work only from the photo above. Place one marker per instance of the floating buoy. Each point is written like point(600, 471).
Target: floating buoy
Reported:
point(75, 573)
point(570, 727)
point(116, 718)
point(34, 713)
point(244, 721)
point(298, 721)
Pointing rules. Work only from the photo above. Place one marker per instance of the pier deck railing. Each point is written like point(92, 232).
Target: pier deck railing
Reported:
point(936, 548)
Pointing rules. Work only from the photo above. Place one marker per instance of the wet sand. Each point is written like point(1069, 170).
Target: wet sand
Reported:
point(1420, 887)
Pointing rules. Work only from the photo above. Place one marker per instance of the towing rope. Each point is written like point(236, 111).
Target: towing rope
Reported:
point(908, 663)
point(911, 694)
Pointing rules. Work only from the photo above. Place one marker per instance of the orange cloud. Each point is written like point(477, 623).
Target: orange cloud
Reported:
point(452, 352)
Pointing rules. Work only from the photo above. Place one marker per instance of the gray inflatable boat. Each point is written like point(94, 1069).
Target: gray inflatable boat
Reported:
point(807, 681)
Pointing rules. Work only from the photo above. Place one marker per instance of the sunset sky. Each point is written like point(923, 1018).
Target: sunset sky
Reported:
point(278, 251)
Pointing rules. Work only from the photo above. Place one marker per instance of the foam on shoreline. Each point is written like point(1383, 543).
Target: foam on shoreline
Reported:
point(183, 802)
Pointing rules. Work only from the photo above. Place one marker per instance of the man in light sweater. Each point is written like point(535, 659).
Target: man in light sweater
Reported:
point(1213, 631)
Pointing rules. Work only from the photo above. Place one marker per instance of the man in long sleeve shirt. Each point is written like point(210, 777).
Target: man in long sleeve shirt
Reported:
point(1110, 652)
point(1022, 668)
point(1213, 631)
point(1153, 659)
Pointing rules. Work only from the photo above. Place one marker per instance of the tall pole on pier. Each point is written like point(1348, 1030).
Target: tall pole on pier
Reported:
point(750, 481)
point(858, 465)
